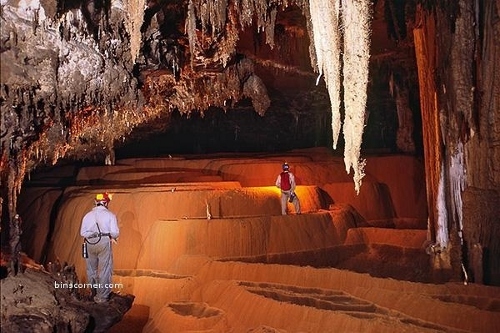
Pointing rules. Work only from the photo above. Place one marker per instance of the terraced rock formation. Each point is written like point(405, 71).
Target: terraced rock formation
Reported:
point(204, 247)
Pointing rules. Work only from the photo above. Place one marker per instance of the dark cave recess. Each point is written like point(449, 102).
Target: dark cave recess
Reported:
point(285, 126)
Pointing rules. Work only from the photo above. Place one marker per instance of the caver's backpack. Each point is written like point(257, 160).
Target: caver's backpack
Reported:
point(285, 181)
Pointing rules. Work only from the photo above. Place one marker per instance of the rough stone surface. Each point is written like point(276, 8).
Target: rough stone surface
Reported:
point(35, 301)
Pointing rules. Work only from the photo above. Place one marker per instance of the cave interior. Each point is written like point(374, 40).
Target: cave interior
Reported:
point(93, 82)
point(401, 96)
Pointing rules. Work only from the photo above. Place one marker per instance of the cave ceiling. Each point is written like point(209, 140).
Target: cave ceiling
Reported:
point(80, 78)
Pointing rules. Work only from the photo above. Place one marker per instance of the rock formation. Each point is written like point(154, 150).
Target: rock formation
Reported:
point(53, 300)
point(81, 80)
point(338, 266)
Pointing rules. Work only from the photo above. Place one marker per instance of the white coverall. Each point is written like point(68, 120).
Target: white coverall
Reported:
point(100, 254)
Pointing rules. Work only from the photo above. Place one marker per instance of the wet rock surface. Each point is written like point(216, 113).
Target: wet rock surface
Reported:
point(34, 301)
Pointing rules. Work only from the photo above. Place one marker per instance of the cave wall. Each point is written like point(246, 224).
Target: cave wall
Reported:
point(458, 74)
point(481, 211)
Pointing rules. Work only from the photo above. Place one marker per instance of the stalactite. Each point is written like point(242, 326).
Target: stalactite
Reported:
point(16, 170)
point(356, 19)
point(220, 24)
point(260, 7)
point(270, 24)
point(227, 45)
point(213, 15)
point(442, 235)
point(326, 36)
point(134, 10)
point(457, 185)
point(191, 30)
point(326, 33)
point(246, 10)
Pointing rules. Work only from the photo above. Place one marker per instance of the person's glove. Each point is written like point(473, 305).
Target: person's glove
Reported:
point(292, 196)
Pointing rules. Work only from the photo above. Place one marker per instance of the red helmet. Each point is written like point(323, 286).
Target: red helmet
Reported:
point(102, 198)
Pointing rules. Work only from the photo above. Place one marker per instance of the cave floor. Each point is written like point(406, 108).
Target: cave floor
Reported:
point(203, 245)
